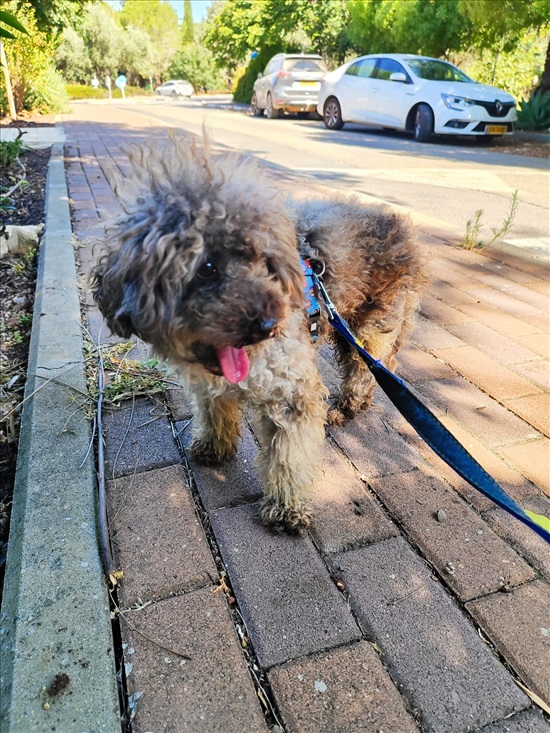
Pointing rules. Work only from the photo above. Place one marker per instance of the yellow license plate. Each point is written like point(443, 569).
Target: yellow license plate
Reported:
point(496, 129)
point(308, 83)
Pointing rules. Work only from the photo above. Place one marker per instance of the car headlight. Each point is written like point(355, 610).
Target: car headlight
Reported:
point(460, 103)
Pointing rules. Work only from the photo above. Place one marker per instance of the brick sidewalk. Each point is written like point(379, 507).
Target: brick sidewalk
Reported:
point(414, 604)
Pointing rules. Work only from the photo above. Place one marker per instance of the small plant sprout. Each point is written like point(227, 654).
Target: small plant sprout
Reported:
point(473, 226)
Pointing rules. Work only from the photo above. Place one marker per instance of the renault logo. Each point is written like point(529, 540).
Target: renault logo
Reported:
point(499, 106)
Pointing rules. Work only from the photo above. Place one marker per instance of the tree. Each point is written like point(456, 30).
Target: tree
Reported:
point(12, 23)
point(53, 16)
point(187, 30)
point(28, 58)
point(430, 27)
point(234, 30)
point(500, 25)
point(160, 21)
point(196, 64)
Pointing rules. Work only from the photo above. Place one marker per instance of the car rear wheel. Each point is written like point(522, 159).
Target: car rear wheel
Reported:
point(332, 114)
point(256, 111)
point(423, 124)
point(270, 110)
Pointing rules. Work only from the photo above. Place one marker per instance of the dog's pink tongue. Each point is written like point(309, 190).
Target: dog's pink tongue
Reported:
point(234, 363)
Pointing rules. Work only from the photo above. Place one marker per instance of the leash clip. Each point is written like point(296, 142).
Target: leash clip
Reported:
point(310, 292)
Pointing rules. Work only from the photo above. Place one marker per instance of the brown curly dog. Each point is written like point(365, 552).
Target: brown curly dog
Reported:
point(205, 266)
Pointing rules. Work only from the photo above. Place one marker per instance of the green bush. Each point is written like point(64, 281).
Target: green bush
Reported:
point(81, 91)
point(10, 151)
point(534, 113)
point(46, 93)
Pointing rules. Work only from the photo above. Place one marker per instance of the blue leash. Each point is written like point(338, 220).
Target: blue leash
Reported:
point(431, 430)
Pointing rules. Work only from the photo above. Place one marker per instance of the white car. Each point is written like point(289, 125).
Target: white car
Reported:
point(176, 88)
point(414, 93)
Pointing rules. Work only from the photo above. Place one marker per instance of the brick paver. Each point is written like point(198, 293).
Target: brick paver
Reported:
point(529, 544)
point(528, 721)
point(140, 438)
point(519, 625)
point(493, 378)
point(476, 411)
point(532, 459)
point(454, 542)
point(476, 358)
point(346, 513)
point(289, 602)
point(490, 342)
point(233, 483)
point(430, 648)
point(209, 689)
point(339, 692)
point(157, 536)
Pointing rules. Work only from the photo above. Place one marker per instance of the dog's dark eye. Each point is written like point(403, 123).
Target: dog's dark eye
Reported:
point(207, 271)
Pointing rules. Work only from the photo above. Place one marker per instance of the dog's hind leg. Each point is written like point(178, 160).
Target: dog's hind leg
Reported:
point(382, 338)
point(291, 436)
point(216, 428)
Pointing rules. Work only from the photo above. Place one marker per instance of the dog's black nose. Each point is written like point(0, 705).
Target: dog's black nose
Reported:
point(261, 329)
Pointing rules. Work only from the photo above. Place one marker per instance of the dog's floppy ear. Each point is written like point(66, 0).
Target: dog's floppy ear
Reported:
point(289, 273)
point(114, 299)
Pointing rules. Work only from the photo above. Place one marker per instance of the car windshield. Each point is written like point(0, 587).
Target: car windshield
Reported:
point(434, 70)
point(304, 65)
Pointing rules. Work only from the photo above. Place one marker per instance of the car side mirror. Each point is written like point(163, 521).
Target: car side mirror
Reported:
point(260, 75)
point(398, 76)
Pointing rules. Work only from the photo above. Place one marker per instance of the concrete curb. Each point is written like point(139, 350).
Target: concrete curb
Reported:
point(56, 655)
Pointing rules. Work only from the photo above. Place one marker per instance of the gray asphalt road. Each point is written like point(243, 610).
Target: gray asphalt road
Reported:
point(442, 184)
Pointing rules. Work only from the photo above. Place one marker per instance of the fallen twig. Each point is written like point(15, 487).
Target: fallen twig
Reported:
point(113, 573)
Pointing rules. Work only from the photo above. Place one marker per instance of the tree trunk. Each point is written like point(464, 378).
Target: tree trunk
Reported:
point(544, 83)
point(9, 92)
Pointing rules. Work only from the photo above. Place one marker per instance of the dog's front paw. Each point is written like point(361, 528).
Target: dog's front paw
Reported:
point(210, 454)
point(281, 518)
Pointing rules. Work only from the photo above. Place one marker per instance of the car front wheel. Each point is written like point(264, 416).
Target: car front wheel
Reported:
point(423, 124)
point(270, 110)
point(256, 111)
point(332, 114)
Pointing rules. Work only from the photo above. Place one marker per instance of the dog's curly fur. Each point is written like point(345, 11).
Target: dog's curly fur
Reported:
point(207, 257)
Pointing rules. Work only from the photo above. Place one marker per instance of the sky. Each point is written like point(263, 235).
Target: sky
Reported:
point(199, 8)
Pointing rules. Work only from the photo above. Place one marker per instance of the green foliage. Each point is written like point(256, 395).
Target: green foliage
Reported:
point(499, 24)
point(429, 27)
point(12, 22)
point(47, 93)
point(29, 62)
point(72, 58)
point(10, 151)
point(473, 226)
point(534, 113)
point(241, 26)
point(514, 71)
point(81, 91)
point(187, 30)
point(160, 21)
point(234, 29)
point(195, 63)
point(52, 16)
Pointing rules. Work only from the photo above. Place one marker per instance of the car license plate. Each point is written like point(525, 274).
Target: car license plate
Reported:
point(313, 84)
point(496, 129)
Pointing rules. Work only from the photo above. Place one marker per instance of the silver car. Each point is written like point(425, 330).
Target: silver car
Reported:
point(290, 83)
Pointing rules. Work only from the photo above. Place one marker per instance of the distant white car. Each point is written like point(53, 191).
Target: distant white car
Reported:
point(414, 93)
point(176, 88)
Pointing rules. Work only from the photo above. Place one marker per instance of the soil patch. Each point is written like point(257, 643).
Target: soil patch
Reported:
point(17, 289)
